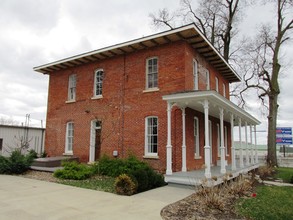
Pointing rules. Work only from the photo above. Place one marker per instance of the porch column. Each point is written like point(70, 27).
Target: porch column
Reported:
point(246, 146)
point(207, 148)
point(222, 147)
point(255, 145)
point(240, 146)
point(252, 151)
point(183, 141)
point(232, 142)
point(169, 146)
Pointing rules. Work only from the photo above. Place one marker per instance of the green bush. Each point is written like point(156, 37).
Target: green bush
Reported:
point(16, 163)
point(32, 153)
point(124, 185)
point(139, 171)
point(74, 171)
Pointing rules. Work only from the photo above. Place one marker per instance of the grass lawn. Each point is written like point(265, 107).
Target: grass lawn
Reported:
point(271, 202)
point(101, 183)
point(285, 173)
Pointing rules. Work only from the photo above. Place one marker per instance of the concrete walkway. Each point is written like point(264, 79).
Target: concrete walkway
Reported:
point(27, 199)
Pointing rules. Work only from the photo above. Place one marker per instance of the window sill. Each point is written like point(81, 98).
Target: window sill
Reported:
point(151, 90)
point(68, 154)
point(151, 157)
point(70, 101)
point(197, 157)
point(97, 97)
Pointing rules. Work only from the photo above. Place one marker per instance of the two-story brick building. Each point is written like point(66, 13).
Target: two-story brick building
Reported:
point(163, 98)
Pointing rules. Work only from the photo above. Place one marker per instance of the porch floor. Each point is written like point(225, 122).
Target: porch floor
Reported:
point(195, 177)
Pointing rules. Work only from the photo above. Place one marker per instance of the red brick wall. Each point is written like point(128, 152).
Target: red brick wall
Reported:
point(125, 105)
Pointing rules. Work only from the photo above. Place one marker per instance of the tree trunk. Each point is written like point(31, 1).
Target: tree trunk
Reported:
point(272, 124)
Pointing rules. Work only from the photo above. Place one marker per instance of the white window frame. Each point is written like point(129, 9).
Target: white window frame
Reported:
point(224, 90)
point(71, 88)
point(153, 72)
point(196, 138)
point(195, 74)
point(208, 87)
point(149, 136)
point(100, 82)
point(69, 138)
point(217, 84)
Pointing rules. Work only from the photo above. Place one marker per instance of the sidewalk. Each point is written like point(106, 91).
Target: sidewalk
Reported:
point(29, 199)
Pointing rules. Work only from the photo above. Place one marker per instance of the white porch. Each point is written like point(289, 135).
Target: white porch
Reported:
point(211, 103)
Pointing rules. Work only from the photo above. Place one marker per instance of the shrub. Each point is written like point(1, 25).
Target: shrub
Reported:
point(74, 171)
point(139, 171)
point(265, 172)
point(16, 163)
point(124, 185)
point(33, 154)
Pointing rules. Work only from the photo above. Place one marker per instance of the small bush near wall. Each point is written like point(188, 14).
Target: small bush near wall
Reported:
point(124, 185)
point(74, 171)
point(17, 163)
point(139, 171)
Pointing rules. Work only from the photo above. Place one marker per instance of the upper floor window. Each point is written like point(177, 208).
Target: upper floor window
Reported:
point(151, 136)
point(224, 90)
point(195, 75)
point(72, 87)
point(98, 86)
point(69, 137)
point(217, 84)
point(152, 73)
point(207, 80)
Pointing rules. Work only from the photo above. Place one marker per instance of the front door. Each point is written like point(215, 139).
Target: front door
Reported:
point(98, 131)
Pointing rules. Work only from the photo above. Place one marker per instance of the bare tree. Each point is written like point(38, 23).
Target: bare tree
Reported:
point(8, 121)
point(265, 68)
point(215, 19)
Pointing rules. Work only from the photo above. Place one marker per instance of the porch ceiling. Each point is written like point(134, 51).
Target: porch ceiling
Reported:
point(194, 100)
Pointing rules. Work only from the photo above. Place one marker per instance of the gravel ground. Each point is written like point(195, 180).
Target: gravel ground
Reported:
point(40, 175)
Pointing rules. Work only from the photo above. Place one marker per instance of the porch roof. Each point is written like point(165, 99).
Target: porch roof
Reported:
point(194, 100)
point(189, 33)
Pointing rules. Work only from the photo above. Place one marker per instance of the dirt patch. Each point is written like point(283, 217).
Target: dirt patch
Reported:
point(40, 175)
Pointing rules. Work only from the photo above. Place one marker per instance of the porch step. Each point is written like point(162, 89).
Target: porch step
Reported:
point(52, 161)
point(45, 169)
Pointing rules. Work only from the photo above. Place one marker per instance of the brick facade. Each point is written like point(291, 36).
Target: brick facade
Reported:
point(126, 103)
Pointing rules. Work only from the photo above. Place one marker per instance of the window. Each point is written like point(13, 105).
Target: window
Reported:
point(98, 86)
point(196, 138)
point(195, 75)
point(219, 140)
point(217, 84)
point(72, 87)
point(69, 137)
point(224, 90)
point(226, 139)
point(152, 73)
point(207, 80)
point(151, 136)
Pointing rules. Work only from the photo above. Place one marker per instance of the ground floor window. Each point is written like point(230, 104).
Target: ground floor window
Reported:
point(69, 137)
point(196, 138)
point(151, 136)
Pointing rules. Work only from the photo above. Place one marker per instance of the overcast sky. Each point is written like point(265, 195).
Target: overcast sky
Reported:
point(36, 32)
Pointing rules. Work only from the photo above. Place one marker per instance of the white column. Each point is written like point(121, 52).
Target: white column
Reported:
point(169, 146)
point(232, 142)
point(183, 141)
point(246, 146)
point(222, 147)
point(240, 146)
point(251, 147)
point(255, 145)
point(207, 148)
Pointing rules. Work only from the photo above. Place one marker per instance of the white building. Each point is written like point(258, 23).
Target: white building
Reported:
point(12, 137)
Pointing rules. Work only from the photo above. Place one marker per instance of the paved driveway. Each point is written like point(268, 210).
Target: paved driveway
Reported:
point(28, 199)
